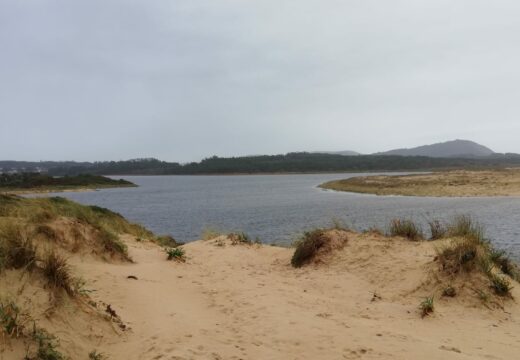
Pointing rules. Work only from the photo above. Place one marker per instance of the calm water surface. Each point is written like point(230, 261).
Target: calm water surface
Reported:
point(276, 208)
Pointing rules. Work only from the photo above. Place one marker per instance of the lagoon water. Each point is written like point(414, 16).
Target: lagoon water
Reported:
point(277, 208)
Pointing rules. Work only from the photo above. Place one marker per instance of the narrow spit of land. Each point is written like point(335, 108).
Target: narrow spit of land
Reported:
point(23, 183)
point(463, 183)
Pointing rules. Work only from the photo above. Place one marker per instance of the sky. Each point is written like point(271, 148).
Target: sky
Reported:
point(182, 80)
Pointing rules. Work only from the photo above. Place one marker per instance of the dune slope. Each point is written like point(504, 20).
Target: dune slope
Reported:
point(247, 302)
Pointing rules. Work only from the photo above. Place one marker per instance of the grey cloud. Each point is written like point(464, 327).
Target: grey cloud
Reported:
point(181, 80)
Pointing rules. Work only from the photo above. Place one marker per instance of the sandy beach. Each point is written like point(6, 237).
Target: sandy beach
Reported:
point(247, 302)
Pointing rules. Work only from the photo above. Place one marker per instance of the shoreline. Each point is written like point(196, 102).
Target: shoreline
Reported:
point(61, 190)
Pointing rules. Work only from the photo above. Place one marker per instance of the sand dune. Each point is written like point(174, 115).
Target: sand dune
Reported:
point(247, 302)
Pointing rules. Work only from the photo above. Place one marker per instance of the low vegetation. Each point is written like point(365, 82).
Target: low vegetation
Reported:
point(316, 243)
point(44, 182)
point(406, 228)
point(176, 253)
point(57, 271)
point(500, 285)
point(22, 220)
point(239, 238)
point(307, 247)
point(166, 241)
point(437, 230)
point(36, 235)
point(210, 234)
point(449, 291)
point(467, 250)
point(16, 324)
point(426, 306)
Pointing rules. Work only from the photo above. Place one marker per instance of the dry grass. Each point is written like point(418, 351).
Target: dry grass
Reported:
point(406, 228)
point(437, 230)
point(316, 244)
point(307, 247)
point(468, 251)
point(166, 241)
point(210, 234)
point(57, 272)
point(16, 248)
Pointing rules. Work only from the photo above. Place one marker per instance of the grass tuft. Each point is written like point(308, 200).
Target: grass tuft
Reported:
point(57, 272)
point(437, 230)
point(112, 243)
point(176, 253)
point(210, 234)
point(16, 248)
point(464, 226)
point(10, 323)
point(240, 238)
point(47, 346)
point(426, 306)
point(406, 228)
point(166, 241)
point(500, 285)
point(307, 247)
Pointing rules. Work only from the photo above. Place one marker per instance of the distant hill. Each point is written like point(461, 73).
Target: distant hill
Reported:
point(344, 153)
point(449, 149)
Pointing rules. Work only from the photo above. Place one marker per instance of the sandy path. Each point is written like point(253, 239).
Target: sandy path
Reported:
point(245, 302)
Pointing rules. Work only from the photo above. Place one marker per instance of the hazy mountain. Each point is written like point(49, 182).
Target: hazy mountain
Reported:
point(455, 148)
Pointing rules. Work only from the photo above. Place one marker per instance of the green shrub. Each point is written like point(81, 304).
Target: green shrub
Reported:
point(47, 346)
point(176, 253)
point(307, 247)
point(426, 306)
point(406, 228)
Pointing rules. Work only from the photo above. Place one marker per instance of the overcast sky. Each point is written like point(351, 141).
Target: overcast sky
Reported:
point(183, 80)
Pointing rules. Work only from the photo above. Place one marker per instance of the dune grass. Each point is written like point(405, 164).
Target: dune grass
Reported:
point(307, 247)
point(468, 250)
point(166, 241)
point(57, 271)
point(17, 250)
point(35, 215)
point(406, 228)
